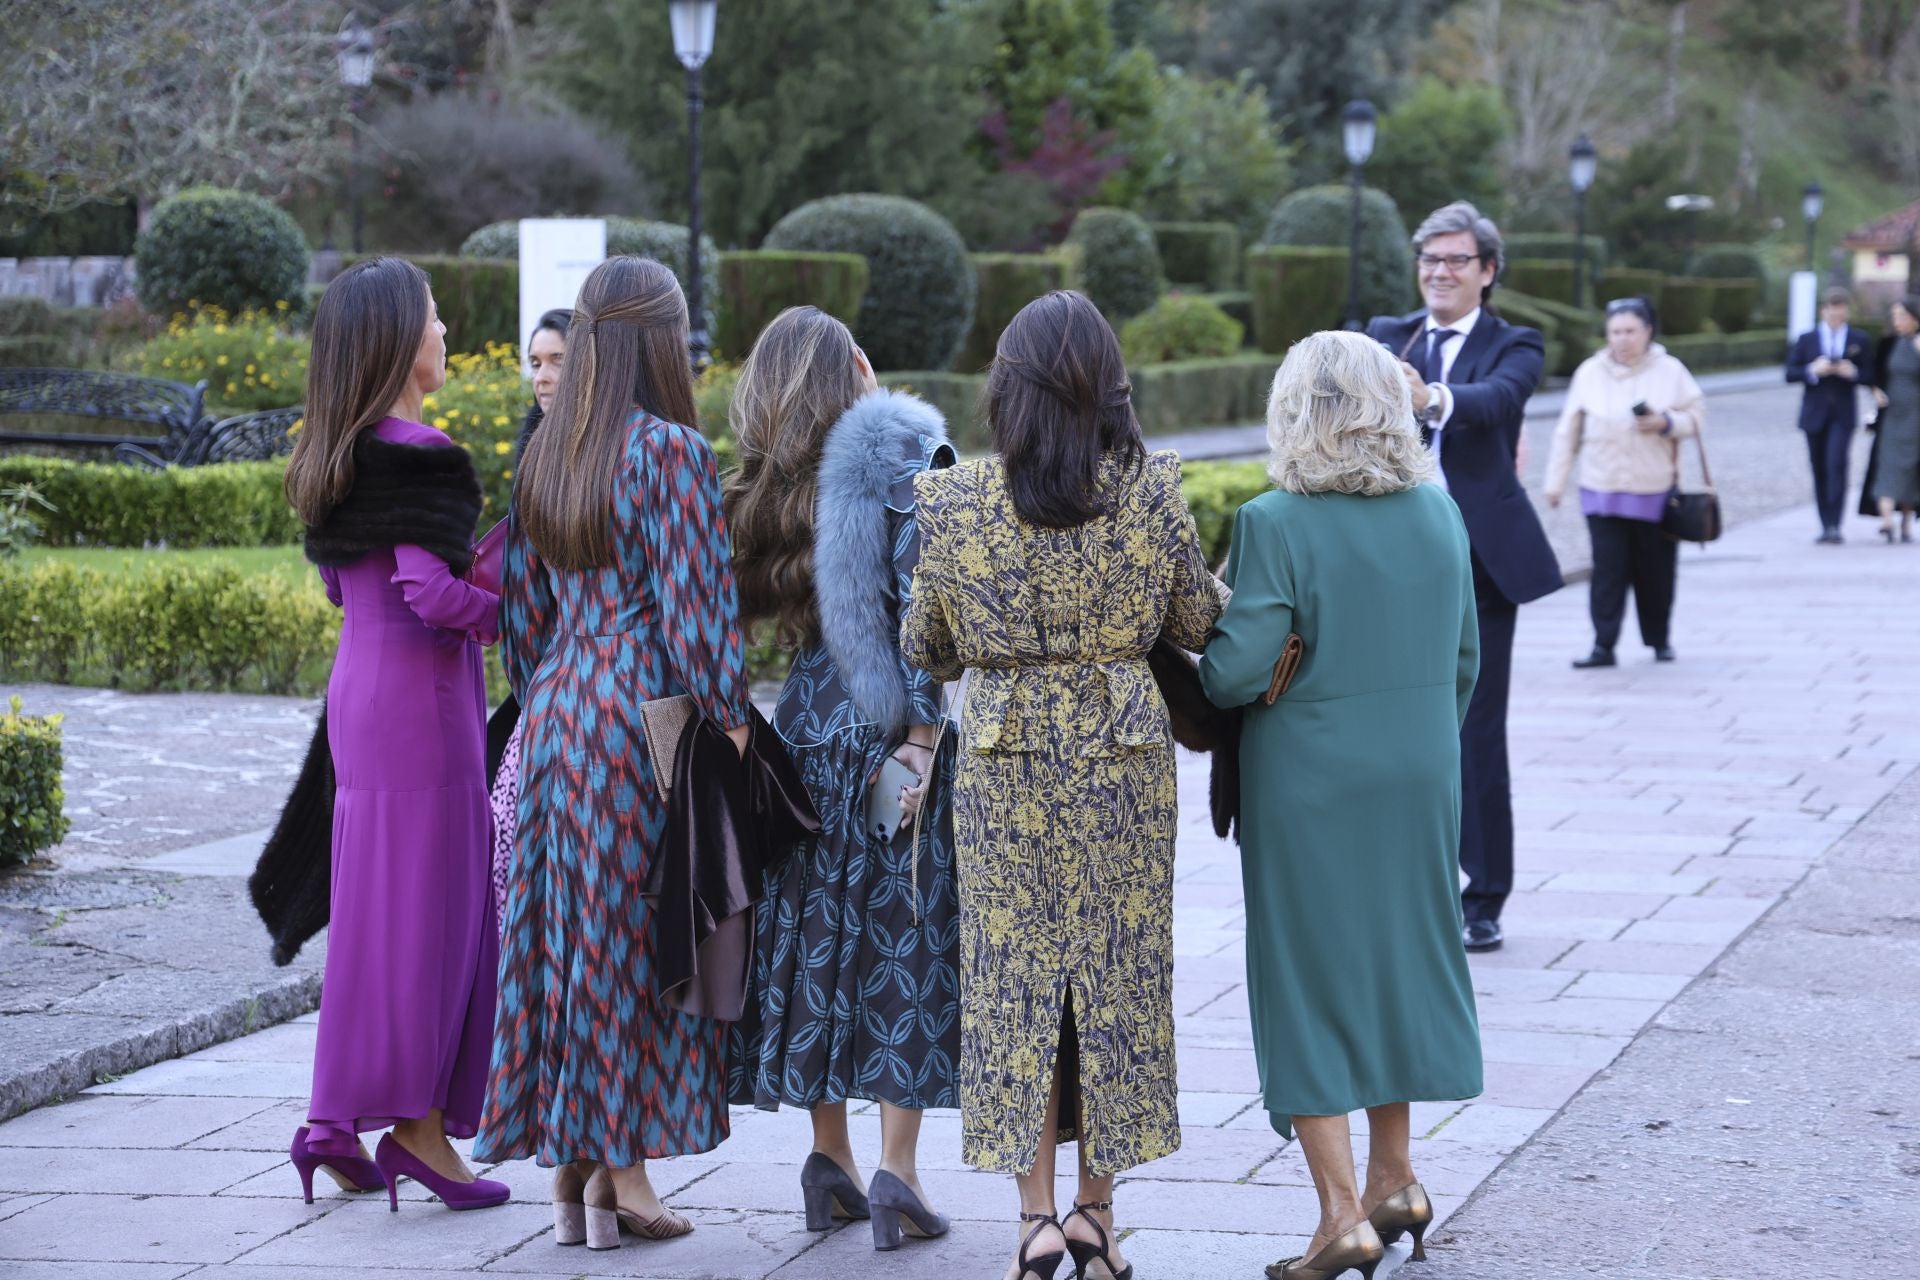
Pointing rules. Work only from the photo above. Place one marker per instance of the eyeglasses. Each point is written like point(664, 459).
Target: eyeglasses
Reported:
point(1452, 262)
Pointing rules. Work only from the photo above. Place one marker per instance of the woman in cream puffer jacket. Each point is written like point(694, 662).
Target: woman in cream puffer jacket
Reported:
point(1626, 412)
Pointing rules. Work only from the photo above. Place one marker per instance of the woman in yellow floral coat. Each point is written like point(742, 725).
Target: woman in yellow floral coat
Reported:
point(1049, 570)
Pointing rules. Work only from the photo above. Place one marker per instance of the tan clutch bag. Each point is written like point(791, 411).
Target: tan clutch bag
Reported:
point(1285, 669)
point(662, 720)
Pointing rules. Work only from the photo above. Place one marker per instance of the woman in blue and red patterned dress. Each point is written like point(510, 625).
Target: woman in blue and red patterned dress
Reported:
point(618, 523)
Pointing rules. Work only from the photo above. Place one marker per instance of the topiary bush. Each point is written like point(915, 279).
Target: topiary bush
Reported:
point(1119, 262)
point(226, 504)
point(1730, 304)
point(227, 249)
point(755, 287)
point(1008, 282)
point(1730, 262)
point(1215, 492)
point(1185, 394)
point(1630, 282)
point(1205, 255)
point(479, 298)
point(1557, 246)
point(32, 801)
point(1685, 305)
point(1237, 303)
point(920, 283)
point(1296, 291)
point(1181, 326)
point(1320, 215)
point(1546, 278)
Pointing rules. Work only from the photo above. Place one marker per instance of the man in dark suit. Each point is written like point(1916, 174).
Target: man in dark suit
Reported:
point(1470, 374)
point(1833, 359)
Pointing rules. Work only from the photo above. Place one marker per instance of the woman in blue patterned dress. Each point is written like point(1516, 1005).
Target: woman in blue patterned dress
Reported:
point(856, 957)
point(618, 524)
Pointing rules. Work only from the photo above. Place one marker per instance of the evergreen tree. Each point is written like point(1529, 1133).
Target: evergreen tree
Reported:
point(804, 98)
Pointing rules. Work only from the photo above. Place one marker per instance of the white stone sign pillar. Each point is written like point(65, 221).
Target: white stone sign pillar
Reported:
point(556, 257)
point(1803, 288)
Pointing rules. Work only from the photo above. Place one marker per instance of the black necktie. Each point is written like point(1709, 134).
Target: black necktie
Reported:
point(1434, 369)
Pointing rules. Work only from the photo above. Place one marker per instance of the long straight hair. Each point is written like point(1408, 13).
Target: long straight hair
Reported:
point(1059, 402)
point(798, 380)
point(626, 349)
point(366, 335)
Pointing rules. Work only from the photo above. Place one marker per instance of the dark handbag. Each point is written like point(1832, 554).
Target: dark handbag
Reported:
point(1198, 725)
point(1693, 517)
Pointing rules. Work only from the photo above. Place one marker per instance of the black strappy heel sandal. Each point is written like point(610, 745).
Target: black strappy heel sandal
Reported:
point(1042, 1267)
point(1084, 1254)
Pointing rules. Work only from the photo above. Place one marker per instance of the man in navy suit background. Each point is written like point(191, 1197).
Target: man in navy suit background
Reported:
point(1470, 374)
point(1833, 359)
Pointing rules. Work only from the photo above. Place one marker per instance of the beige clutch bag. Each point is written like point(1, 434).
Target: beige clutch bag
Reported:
point(662, 720)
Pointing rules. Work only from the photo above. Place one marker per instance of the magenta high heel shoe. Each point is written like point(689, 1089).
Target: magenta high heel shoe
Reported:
point(353, 1173)
point(396, 1161)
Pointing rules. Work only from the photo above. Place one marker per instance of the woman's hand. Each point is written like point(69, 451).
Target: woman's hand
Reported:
point(1650, 423)
point(739, 739)
point(1880, 397)
point(918, 758)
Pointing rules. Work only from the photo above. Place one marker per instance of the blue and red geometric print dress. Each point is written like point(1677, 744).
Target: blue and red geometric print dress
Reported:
point(587, 1064)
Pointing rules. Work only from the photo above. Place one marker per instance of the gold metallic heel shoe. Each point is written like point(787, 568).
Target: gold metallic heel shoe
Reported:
point(1407, 1209)
point(1357, 1249)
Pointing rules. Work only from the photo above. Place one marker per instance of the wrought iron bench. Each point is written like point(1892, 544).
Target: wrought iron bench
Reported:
point(250, 437)
point(178, 410)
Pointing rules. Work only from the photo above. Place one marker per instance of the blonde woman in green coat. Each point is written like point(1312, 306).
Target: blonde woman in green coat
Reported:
point(1350, 826)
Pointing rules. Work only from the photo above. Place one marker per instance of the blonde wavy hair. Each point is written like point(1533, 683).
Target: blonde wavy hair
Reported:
point(1340, 420)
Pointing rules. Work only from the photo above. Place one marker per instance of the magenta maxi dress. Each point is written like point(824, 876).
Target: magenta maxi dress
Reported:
point(406, 1009)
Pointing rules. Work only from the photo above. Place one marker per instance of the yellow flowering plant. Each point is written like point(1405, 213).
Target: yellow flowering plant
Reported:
point(249, 362)
point(481, 407)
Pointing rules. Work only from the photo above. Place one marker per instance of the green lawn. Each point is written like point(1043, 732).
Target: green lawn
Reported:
point(284, 562)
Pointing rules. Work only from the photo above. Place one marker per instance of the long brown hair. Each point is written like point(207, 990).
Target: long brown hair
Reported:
point(1059, 401)
point(798, 380)
point(366, 335)
point(627, 349)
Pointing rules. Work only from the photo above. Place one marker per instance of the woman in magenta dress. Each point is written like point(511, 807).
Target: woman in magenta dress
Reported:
point(406, 1010)
point(617, 521)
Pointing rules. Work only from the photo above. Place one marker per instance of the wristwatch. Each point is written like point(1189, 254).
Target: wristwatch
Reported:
point(1431, 414)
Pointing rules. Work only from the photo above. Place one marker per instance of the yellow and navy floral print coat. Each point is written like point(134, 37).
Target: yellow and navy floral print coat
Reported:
point(1064, 800)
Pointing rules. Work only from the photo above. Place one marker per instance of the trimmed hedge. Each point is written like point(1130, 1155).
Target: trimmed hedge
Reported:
point(1518, 308)
point(664, 242)
point(956, 396)
point(227, 249)
point(1631, 282)
point(1215, 492)
point(1297, 290)
point(1708, 351)
point(1238, 304)
point(754, 287)
point(1544, 245)
point(1008, 282)
point(1685, 305)
point(1578, 331)
point(1119, 262)
point(32, 801)
point(1166, 397)
point(1190, 394)
point(1540, 278)
point(228, 504)
point(1321, 215)
point(1200, 255)
point(479, 298)
point(920, 284)
point(1729, 262)
point(214, 628)
point(1731, 304)
point(1181, 326)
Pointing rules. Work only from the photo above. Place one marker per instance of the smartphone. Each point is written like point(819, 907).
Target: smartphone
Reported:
point(1641, 409)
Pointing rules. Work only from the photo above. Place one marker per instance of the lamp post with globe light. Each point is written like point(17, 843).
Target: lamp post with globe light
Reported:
point(1357, 126)
point(1582, 160)
point(353, 50)
point(1812, 201)
point(693, 22)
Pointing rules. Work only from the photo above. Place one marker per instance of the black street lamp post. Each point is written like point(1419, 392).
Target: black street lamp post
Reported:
point(1357, 125)
point(1812, 200)
point(1582, 160)
point(353, 49)
point(693, 22)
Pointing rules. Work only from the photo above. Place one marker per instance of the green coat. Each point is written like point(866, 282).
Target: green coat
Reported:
point(1350, 785)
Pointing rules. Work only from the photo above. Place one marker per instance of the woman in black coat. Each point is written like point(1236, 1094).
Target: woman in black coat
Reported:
point(1893, 468)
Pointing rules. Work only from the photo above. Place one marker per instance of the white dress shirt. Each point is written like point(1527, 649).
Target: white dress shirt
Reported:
point(1449, 353)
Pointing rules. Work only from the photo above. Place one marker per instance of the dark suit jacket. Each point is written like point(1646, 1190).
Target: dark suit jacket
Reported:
point(1831, 400)
point(1498, 367)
